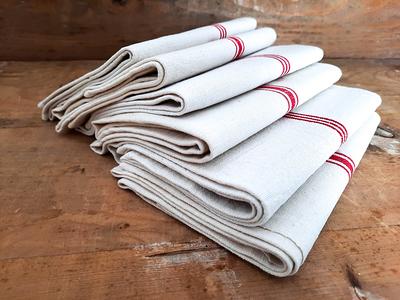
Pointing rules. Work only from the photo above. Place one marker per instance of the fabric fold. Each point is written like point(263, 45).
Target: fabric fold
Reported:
point(203, 135)
point(167, 68)
point(203, 90)
point(281, 245)
point(248, 183)
point(129, 55)
point(250, 144)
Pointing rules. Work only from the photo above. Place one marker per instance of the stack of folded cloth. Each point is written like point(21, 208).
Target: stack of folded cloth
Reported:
point(249, 144)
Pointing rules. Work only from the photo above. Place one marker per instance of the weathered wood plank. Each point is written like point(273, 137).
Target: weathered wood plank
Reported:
point(342, 261)
point(67, 230)
point(62, 29)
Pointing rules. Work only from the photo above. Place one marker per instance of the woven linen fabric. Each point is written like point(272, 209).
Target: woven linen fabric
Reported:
point(248, 183)
point(281, 245)
point(134, 53)
point(158, 71)
point(167, 68)
point(203, 90)
point(203, 135)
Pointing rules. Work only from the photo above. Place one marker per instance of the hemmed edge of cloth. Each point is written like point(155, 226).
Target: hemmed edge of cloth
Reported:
point(262, 254)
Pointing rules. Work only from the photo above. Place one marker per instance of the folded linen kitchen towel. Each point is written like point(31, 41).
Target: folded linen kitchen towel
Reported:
point(281, 245)
point(248, 183)
point(202, 135)
point(134, 53)
point(167, 68)
point(205, 89)
point(155, 72)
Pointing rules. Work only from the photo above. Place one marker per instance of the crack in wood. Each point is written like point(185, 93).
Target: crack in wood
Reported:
point(352, 277)
point(182, 251)
point(359, 291)
point(139, 249)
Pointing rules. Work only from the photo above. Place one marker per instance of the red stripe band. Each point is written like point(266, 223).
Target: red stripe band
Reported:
point(343, 161)
point(219, 30)
point(281, 59)
point(222, 30)
point(335, 125)
point(239, 45)
point(289, 94)
point(236, 47)
point(346, 157)
point(242, 46)
point(340, 126)
point(316, 122)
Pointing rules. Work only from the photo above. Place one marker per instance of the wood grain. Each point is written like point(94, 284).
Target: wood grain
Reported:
point(63, 29)
point(68, 232)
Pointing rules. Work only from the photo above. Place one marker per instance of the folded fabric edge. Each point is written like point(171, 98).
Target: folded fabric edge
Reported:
point(269, 257)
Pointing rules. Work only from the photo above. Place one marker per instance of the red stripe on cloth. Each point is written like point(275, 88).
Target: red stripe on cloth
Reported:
point(242, 45)
point(340, 125)
point(284, 66)
point(236, 47)
point(340, 165)
point(325, 121)
point(222, 30)
point(319, 120)
point(239, 46)
point(225, 34)
point(343, 161)
point(290, 95)
point(285, 62)
point(282, 60)
point(346, 157)
point(221, 34)
point(278, 92)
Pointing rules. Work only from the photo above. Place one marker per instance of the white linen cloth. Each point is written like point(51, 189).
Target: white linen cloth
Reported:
point(203, 90)
point(202, 135)
point(167, 68)
point(134, 53)
point(248, 183)
point(164, 69)
point(281, 245)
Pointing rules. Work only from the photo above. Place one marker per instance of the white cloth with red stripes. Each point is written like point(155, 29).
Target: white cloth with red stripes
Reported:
point(129, 55)
point(158, 71)
point(281, 245)
point(167, 68)
point(203, 135)
point(203, 90)
point(248, 183)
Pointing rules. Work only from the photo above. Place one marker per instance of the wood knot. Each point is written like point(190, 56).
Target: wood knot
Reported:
point(124, 225)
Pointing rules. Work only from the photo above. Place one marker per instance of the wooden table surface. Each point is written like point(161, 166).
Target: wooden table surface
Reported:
point(68, 232)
